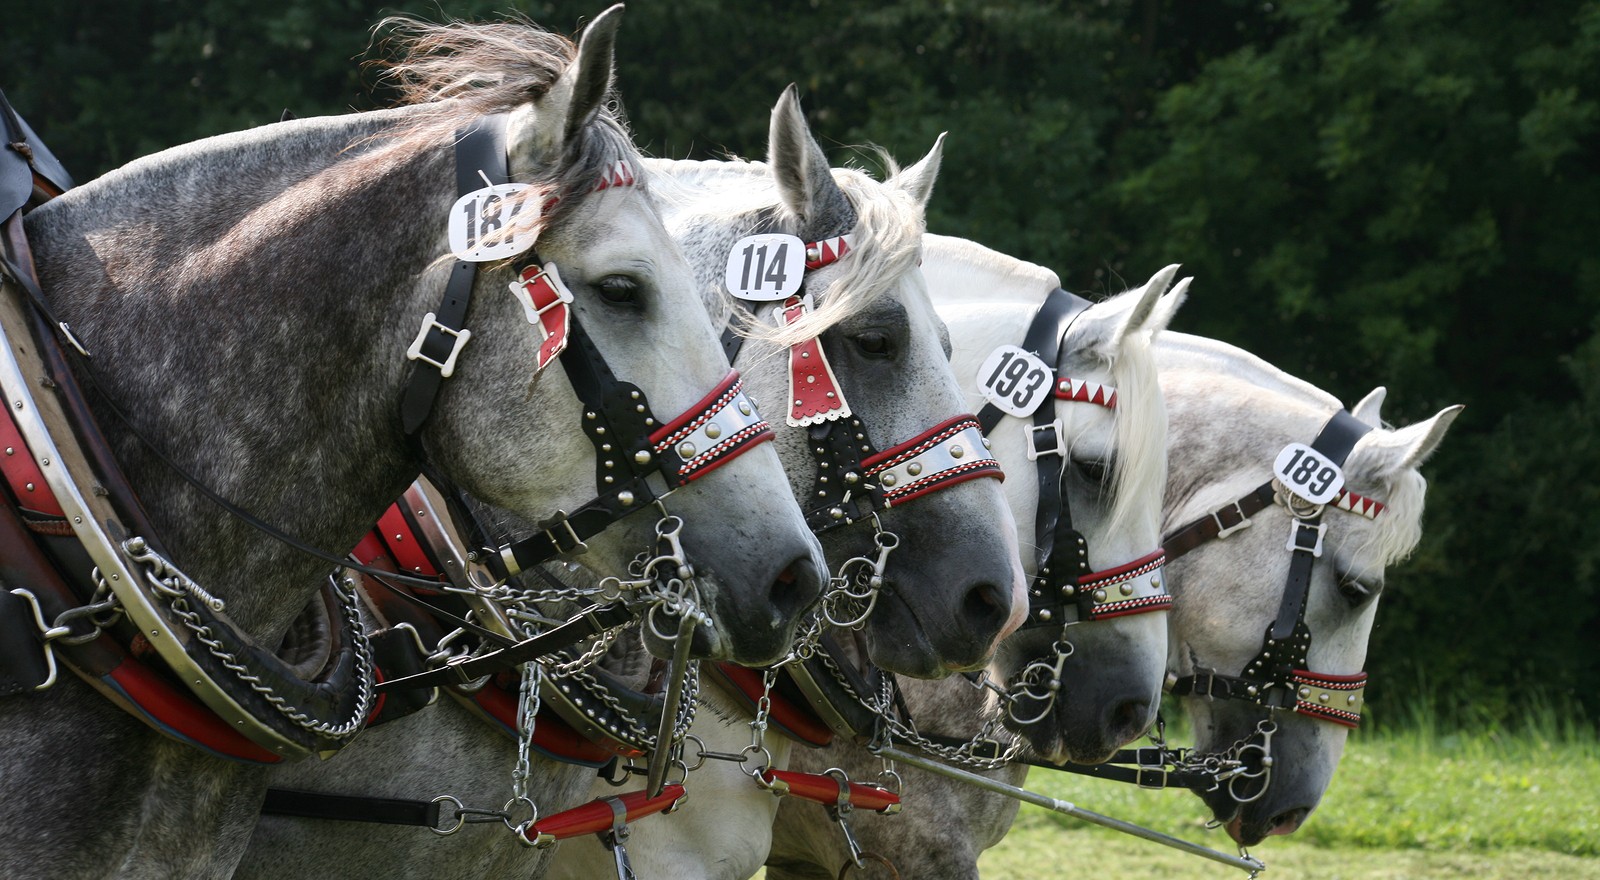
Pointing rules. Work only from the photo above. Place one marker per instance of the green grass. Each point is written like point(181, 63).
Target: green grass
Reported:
point(1410, 802)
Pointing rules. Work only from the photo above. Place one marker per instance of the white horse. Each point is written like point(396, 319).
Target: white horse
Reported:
point(888, 356)
point(249, 301)
point(1113, 486)
point(1229, 414)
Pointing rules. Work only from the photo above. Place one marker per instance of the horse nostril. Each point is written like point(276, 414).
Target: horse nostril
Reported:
point(794, 589)
point(986, 605)
point(1288, 821)
point(1128, 719)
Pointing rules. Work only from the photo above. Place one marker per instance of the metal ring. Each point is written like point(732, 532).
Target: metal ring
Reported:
point(894, 873)
point(461, 819)
point(515, 826)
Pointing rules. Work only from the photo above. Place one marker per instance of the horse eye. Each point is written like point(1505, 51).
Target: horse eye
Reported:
point(1093, 470)
point(1354, 591)
point(618, 289)
point(874, 345)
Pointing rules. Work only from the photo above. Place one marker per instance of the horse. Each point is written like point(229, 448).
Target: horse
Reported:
point(1229, 414)
point(249, 302)
point(1118, 457)
point(887, 354)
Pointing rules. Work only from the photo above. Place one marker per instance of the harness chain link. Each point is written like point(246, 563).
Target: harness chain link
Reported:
point(178, 589)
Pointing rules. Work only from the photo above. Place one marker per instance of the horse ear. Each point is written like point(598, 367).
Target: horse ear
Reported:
point(1367, 409)
point(918, 179)
point(805, 179)
point(578, 96)
point(1410, 446)
point(1145, 301)
point(1168, 306)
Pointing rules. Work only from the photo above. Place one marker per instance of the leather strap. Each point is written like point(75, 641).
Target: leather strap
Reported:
point(480, 146)
point(317, 805)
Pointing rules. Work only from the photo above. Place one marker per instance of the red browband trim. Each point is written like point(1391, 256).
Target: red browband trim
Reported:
point(722, 449)
point(1357, 504)
point(597, 816)
point(1084, 391)
point(827, 251)
point(619, 174)
point(814, 395)
point(1135, 605)
point(1337, 683)
point(982, 464)
point(696, 415)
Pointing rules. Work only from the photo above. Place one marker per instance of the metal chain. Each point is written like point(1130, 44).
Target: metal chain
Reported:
point(178, 589)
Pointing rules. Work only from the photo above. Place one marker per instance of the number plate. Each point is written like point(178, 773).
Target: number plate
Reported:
point(1014, 380)
point(766, 268)
point(1305, 472)
point(494, 223)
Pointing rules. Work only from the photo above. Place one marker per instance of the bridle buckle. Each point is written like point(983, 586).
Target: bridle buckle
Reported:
point(1224, 530)
point(1057, 447)
point(563, 536)
point(447, 366)
point(1293, 544)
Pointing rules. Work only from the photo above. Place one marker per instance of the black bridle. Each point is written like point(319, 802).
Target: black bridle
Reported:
point(1277, 678)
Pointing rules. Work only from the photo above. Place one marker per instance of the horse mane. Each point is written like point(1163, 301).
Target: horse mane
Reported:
point(455, 72)
point(1140, 415)
point(1396, 533)
point(887, 235)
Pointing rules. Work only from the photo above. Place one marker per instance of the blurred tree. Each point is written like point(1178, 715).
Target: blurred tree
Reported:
point(1368, 191)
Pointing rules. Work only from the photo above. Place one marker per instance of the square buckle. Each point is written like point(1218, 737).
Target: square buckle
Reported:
point(1056, 448)
point(1224, 531)
point(448, 365)
point(1293, 544)
point(563, 537)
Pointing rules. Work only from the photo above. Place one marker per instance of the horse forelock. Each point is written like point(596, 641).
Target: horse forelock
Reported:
point(1139, 470)
point(741, 197)
point(457, 72)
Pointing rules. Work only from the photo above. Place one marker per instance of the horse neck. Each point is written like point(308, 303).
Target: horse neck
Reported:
point(1229, 413)
point(246, 299)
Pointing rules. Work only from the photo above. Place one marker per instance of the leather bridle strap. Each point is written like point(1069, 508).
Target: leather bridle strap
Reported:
point(480, 149)
point(1277, 677)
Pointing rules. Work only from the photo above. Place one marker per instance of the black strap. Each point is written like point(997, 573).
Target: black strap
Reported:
point(1061, 552)
point(567, 634)
point(1337, 437)
point(349, 808)
point(480, 147)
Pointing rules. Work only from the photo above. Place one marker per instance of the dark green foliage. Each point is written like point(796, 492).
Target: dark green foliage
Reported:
point(1396, 193)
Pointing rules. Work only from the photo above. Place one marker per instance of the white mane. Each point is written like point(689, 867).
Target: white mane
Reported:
point(887, 238)
point(983, 275)
point(1402, 492)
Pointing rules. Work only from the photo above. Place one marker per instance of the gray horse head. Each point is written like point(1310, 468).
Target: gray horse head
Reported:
point(952, 586)
point(1110, 682)
point(1230, 415)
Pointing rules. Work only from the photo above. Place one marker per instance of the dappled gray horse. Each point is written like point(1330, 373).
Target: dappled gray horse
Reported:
point(1229, 415)
point(887, 354)
point(249, 301)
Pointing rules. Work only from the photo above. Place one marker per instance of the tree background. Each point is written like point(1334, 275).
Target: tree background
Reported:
point(1395, 193)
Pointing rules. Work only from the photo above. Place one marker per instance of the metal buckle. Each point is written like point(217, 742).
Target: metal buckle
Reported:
point(1243, 523)
point(1033, 449)
point(48, 634)
point(448, 366)
point(1295, 526)
point(564, 524)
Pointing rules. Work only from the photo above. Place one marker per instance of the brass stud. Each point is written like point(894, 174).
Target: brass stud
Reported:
point(642, 456)
point(713, 431)
point(888, 480)
point(1305, 692)
point(957, 452)
point(914, 468)
point(686, 450)
point(1044, 614)
point(625, 498)
point(744, 407)
point(1126, 589)
point(1099, 595)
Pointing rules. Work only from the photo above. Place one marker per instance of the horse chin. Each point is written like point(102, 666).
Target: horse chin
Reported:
point(706, 643)
point(899, 641)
